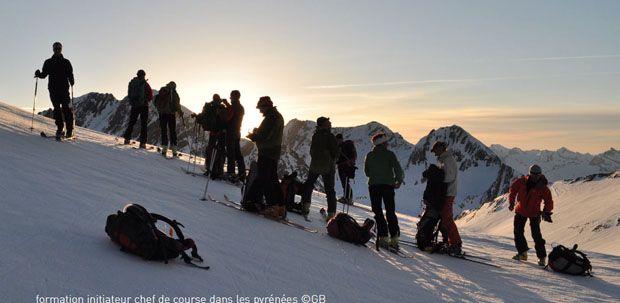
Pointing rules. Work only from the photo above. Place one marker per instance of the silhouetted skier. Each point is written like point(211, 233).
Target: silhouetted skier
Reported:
point(60, 74)
point(140, 94)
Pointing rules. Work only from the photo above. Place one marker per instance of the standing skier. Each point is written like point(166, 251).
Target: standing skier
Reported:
point(213, 118)
point(346, 167)
point(168, 105)
point(140, 94)
point(529, 191)
point(268, 139)
point(61, 76)
point(323, 153)
point(384, 175)
point(233, 136)
point(448, 164)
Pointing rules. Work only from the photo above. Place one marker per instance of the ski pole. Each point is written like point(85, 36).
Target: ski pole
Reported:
point(34, 102)
point(189, 143)
point(73, 112)
point(211, 162)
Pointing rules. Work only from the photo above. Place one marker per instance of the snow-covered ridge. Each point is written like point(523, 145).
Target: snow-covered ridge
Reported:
point(561, 164)
point(586, 212)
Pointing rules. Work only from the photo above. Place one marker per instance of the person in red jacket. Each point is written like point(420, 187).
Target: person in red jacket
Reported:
point(529, 192)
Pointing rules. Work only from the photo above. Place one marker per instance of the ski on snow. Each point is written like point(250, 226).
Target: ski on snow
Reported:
point(62, 139)
point(237, 206)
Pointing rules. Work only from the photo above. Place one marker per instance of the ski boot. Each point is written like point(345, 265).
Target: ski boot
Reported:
point(393, 243)
point(383, 242)
point(277, 212)
point(142, 145)
point(164, 151)
point(455, 250)
point(329, 216)
point(127, 142)
point(69, 133)
point(59, 135)
point(175, 152)
point(520, 256)
point(542, 262)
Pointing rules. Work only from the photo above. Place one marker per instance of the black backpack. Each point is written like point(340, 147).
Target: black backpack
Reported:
point(291, 187)
point(210, 118)
point(134, 230)
point(426, 229)
point(135, 91)
point(345, 228)
point(569, 261)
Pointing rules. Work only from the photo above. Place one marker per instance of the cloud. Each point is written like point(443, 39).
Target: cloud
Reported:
point(448, 81)
point(570, 58)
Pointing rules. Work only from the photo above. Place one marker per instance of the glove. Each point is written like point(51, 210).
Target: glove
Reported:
point(546, 216)
point(511, 207)
point(37, 73)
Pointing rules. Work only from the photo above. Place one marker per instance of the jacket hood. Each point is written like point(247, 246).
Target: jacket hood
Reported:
point(542, 182)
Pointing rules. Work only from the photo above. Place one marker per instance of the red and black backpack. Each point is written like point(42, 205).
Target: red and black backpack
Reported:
point(134, 230)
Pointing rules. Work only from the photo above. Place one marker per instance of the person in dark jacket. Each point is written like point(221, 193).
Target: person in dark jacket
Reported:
point(529, 192)
point(384, 176)
point(268, 140)
point(60, 74)
point(140, 94)
point(215, 153)
point(168, 105)
point(323, 152)
point(434, 198)
point(346, 167)
point(233, 137)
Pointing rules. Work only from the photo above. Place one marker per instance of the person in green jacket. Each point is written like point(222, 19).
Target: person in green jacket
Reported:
point(384, 175)
point(268, 140)
point(324, 153)
point(168, 105)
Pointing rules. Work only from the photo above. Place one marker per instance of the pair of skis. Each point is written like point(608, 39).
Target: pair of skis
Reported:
point(237, 206)
point(63, 138)
point(464, 256)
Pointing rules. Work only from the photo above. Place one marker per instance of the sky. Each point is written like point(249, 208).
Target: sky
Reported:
point(528, 74)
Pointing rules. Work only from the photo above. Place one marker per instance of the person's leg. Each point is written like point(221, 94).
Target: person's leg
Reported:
point(519, 230)
point(209, 151)
point(255, 190)
point(306, 197)
point(163, 126)
point(387, 192)
point(57, 113)
point(172, 128)
point(133, 118)
point(273, 191)
point(539, 245)
point(447, 220)
point(144, 121)
point(67, 113)
point(220, 155)
point(376, 204)
point(239, 158)
point(342, 175)
point(329, 184)
point(230, 153)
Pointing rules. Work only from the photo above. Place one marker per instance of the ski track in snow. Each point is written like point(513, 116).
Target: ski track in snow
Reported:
point(56, 197)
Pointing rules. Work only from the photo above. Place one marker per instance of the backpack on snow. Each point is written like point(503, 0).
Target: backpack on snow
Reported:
point(345, 228)
point(569, 261)
point(210, 118)
point(134, 230)
point(136, 91)
point(426, 234)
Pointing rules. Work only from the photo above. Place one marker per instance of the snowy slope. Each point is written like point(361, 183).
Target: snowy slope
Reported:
point(586, 212)
point(482, 175)
point(56, 196)
point(561, 164)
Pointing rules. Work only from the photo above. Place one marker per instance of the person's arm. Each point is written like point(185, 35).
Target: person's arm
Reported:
point(449, 168)
point(334, 149)
point(45, 72)
point(264, 130)
point(70, 73)
point(366, 171)
point(398, 170)
point(548, 200)
point(314, 146)
point(512, 195)
point(148, 92)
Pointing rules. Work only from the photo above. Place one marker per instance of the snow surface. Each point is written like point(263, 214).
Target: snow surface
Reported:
point(55, 198)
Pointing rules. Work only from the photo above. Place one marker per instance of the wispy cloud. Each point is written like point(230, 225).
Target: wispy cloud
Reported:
point(610, 56)
point(464, 80)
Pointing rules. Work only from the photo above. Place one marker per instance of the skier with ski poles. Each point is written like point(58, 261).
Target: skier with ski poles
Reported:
point(384, 176)
point(214, 118)
point(323, 153)
point(168, 104)
point(61, 77)
point(529, 192)
point(448, 165)
point(233, 137)
point(140, 94)
point(268, 140)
